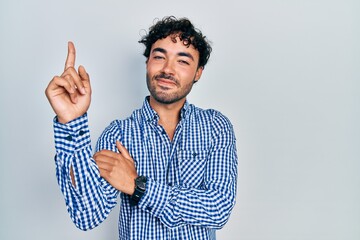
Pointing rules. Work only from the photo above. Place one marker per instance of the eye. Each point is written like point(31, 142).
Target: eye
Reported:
point(184, 62)
point(158, 57)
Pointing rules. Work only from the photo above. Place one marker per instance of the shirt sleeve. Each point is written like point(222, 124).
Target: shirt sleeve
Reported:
point(92, 198)
point(209, 207)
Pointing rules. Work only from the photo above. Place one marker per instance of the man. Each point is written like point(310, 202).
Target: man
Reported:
point(173, 164)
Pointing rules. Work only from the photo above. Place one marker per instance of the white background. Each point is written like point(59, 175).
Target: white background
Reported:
point(286, 73)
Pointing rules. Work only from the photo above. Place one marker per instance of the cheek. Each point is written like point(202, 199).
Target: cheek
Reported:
point(152, 68)
point(150, 71)
point(188, 74)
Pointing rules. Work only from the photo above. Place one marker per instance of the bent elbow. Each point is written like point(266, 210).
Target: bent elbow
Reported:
point(84, 221)
point(85, 225)
point(220, 222)
point(223, 215)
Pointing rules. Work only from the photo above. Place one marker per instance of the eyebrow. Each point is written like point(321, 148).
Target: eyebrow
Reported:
point(181, 54)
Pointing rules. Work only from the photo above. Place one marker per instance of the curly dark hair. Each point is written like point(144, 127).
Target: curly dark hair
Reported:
point(181, 28)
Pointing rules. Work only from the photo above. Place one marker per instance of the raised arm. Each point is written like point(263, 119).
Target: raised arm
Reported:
point(88, 197)
point(70, 93)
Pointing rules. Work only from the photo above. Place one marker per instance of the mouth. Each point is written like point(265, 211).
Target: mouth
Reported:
point(166, 81)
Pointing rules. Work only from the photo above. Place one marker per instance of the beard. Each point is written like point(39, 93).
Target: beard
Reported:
point(163, 94)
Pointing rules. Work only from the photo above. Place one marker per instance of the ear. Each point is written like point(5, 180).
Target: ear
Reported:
point(198, 73)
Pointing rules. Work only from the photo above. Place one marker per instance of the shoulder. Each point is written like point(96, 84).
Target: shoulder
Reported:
point(215, 118)
point(118, 129)
point(120, 124)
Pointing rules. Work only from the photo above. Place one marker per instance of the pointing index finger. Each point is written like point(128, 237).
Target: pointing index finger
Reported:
point(70, 59)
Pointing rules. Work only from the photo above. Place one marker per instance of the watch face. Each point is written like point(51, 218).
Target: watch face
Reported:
point(141, 183)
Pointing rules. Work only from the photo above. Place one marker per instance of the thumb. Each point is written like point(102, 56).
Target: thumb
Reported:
point(83, 74)
point(123, 151)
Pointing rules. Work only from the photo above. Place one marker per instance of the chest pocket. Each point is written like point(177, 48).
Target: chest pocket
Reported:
point(192, 167)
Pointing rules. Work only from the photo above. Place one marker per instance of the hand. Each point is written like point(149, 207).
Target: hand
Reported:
point(70, 94)
point(117, 168)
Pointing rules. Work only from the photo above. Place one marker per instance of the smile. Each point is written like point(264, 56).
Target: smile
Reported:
point(165, 82)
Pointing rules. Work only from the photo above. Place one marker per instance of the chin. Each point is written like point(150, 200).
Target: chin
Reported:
point(166, 99)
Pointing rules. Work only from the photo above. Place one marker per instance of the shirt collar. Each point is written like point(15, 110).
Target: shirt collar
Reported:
point(150, 114)
point(185, 111)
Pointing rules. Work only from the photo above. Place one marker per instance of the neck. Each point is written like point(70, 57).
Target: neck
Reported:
point(169, 114)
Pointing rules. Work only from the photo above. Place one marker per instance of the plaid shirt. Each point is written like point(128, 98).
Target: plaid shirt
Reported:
point(191, 184)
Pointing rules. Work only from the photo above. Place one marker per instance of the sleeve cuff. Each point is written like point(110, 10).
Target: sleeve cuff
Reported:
point(72, 135)
point(156, 197)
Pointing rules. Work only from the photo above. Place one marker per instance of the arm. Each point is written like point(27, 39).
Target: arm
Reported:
point(208, 207)
point(88, 197)
point(90, 202)
point(70, 93)
point(175, 206)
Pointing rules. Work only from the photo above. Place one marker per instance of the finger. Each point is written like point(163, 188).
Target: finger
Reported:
point(60, 83)
point(73, 94)
point(104, 173)
point(70, 59)
point(104, 165)
point(83, 74)
point(78, 83)
point(123, 150)
point(106, 154)
point(85, 80)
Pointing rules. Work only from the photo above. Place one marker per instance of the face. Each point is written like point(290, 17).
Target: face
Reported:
point(172, 69)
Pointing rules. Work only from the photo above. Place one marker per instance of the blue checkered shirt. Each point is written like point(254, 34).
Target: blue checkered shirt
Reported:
point(191, 184)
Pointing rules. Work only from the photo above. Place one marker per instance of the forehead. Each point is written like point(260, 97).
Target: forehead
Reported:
point(175, 47)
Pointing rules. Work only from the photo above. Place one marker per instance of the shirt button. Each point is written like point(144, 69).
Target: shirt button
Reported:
point(148, 208)
point(81, 132)
point(69, 138)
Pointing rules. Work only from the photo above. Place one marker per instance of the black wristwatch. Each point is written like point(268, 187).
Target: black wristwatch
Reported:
point(140, 187)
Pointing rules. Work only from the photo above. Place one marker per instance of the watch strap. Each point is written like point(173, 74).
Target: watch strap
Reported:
point(140, 183)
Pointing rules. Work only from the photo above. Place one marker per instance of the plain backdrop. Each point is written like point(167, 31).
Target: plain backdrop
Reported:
point(286, 73)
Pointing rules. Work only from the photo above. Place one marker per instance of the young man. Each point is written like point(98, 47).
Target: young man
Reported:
point(173, 164)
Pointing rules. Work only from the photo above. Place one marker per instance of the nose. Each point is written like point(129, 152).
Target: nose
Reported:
point(168, 67)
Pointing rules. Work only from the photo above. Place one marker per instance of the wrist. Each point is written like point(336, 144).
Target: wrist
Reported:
point(130, 187)
point(61, 120)
point(139, 190)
